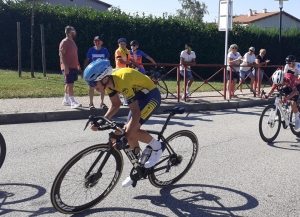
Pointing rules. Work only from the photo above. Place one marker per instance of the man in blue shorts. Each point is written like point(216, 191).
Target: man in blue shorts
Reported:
point(94, 53)
point(187, 56)
point(143, 98)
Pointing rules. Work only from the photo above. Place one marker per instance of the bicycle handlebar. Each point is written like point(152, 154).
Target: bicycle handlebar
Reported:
point(106, 124)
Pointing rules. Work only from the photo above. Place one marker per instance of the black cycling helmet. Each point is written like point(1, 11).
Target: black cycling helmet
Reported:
point(134, 42)
point(290, 58)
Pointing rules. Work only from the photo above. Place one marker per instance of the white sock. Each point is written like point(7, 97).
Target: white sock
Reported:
point(155, 145)
point(187, 89)
point(297, 116)
point(66, 96)
point(72, 99)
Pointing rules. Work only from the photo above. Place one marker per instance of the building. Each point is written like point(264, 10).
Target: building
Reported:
point(95, 4)
point(267, 19)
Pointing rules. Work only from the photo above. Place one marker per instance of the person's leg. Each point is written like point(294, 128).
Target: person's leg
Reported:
point(72, 77)
point(66, 100)
point(242, 76)
point(102, 104)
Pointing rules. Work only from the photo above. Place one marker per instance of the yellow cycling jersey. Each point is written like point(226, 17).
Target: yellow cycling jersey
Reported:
point(131, 83)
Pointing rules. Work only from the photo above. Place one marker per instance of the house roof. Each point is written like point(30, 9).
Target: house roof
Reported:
point(259, 16)
point(98, 1)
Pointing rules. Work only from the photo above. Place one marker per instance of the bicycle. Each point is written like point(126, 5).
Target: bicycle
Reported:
point(88, 177)
point(271, 118)
point(2, 150)
point(155, 75)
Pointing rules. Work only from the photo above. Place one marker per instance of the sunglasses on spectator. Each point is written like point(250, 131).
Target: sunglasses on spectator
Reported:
point(288, 62)
point(234, 47)
point(251, 50)
point(133, 45)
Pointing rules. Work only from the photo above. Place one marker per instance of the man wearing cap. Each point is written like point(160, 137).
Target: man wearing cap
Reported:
point(246, 67)
point(69, 65)
point(94, 53)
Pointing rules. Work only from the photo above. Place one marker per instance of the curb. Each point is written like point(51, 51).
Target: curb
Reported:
point(192, 106)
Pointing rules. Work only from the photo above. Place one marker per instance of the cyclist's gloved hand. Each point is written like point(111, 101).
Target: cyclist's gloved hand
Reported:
point(285, 100)
point(122, 143)
point(95, 126)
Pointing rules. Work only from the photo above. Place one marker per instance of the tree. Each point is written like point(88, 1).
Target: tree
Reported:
point(192, 9)
point(115, 9)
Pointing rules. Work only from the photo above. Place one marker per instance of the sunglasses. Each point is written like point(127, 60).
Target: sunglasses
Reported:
point(133, 45)
point(234, 48)
point(251, 50)
point(288, 62)
point(93, 83)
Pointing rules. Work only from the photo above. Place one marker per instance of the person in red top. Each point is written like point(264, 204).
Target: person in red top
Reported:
point(69, 65)
point(291, 87)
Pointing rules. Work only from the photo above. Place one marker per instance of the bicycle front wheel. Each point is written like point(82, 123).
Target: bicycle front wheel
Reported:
point(176, 160)
point(77, 188)
point(292, 125)
point(162, 87)
point(2, 150)
point(269, 124)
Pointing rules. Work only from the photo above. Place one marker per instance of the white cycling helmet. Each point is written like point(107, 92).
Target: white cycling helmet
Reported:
point(277, 77)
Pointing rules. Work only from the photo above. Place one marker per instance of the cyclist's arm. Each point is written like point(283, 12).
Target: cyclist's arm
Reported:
point(115, 105)
point(151, 60)
point(271, 91)
point(133, 124)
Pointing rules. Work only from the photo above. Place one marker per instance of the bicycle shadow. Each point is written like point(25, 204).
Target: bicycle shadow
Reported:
point(129, 211)
point(201, 200)
point(294, 146)
point(13, 193)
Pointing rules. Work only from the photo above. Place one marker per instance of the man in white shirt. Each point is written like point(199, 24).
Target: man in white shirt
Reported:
point(292, 66)
point(245, 68)
point(187, 58)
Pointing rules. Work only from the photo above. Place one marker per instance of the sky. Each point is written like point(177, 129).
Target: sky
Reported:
point(158, 7)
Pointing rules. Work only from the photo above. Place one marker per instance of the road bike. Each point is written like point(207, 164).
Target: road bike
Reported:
point(88, 177)
point(273, 116)
point(2, 150)
point(155, 74)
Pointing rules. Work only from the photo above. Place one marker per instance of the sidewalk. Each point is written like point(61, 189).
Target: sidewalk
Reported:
point(27, 110)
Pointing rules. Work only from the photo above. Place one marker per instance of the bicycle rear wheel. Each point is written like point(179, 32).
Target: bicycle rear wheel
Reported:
point(269, 124)
point(2, 150)
point(292, 125)
point(162, 87)
point(74, 191)
point(178, 157)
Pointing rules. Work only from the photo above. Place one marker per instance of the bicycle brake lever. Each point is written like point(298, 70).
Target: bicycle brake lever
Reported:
point(91, 119)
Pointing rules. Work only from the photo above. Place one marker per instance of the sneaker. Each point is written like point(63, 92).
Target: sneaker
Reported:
point(276, 118)
point(75, 105)
point(297, 124)
point(241, 93)
point(66, 102)
point(155, 156)
point(91, 106)
point(127, 182)
point(103, 106)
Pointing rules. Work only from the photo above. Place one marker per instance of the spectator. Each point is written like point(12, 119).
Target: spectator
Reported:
point(94, 53)
point(292, 66)
point(137, 56)
point(260, 60)
point(69, 65)
point(123, 59)
point(187, 56)
point(234, 60)
point(245, 69)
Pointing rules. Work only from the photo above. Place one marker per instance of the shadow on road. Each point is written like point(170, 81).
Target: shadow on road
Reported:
point(202, 200)
point(13, 193)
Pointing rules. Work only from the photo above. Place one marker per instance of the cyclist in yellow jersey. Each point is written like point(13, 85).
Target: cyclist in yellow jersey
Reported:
point(143, 98)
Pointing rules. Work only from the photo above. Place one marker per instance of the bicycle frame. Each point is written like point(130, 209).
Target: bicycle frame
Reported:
point(285, 115)
point(141, 172)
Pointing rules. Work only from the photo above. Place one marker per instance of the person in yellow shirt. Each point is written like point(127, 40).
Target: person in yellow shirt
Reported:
point(143, 98)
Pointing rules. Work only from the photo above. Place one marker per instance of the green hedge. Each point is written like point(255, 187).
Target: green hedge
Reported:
point(161, 38)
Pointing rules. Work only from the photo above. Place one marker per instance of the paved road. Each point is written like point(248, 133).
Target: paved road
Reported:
point(235, 173)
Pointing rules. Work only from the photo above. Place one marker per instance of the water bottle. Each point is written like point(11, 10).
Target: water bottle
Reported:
point(145, 155)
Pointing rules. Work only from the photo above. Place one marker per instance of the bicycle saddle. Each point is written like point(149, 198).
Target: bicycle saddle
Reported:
point(175, 110)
